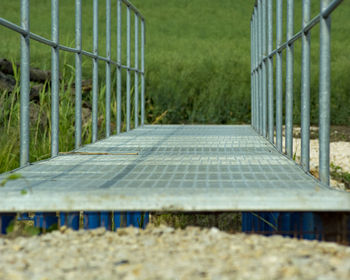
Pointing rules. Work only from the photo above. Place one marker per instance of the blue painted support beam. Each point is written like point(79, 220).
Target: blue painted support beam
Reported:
point(106, 220)
point(286, 225)
point(5, 220)
point(97, 219)
point(70, 220)
point(305, 225)
point(45, 220)
point(119, 220)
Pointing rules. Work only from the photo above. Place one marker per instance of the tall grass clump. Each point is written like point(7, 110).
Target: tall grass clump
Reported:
point(40, 119)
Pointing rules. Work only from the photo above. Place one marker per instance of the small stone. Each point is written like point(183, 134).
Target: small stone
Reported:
point(17, 247)
point(214, 231)
point(98, 232)
point(63, 229)
point(127, 231)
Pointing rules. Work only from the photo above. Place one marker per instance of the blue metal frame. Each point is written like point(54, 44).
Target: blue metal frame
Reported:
point(70, 219)
point(45, 220)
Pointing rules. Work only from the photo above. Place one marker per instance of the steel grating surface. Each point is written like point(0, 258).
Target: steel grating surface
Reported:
point(172, 167)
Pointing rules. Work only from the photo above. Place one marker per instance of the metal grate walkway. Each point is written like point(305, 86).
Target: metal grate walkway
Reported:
point(172, 167)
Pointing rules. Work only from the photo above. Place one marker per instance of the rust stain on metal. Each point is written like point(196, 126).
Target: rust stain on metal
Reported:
point(97, 154)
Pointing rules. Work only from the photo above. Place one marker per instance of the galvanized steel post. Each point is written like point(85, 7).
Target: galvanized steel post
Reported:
point(260, 62)
point(55, 76)
point(289, 80)
point(128, 78)
point(78, 74)
point(108, 67)
point(119, 63)
point(251, 75)
point(95, 73)
point(25, 86)
point(254, 93)
point(305, 90)
point(142, 72)
point(257, 69)
point(257, 52)
point(324, 94)
point(136, 86)
point(270, 72)
point(279, 23)
point(254, 75)
point(264, 67)
point(252, 70)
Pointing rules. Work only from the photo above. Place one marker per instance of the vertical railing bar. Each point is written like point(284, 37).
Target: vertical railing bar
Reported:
point(279, 23)
point(78, 74)
point(254, 73)
point(289, 80)
point(257, 68)
point(324, 95)
point(260, 67)
point(251, 75)
point(95, 73)
point(136, 87)
point(108, 67)
point(142, 72)
point(264, 66)
point(305, 90)
point(254, 77)
point(25, 85)
point(54, 79)
point(128, 78)
point(270, 72)
point(119, 61)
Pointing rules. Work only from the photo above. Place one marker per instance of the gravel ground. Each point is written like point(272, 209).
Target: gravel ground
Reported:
point(339, 153)
point(339, 157)
point(165, 253)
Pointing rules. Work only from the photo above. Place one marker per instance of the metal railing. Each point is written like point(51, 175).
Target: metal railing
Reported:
point(56, 48)
point(262, 89)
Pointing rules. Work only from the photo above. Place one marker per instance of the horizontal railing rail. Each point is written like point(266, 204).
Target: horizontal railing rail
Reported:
point(54, 43)
point(262, 77)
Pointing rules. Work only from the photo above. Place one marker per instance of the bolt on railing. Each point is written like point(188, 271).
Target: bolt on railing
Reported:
point(262, 56)
point(56, 47)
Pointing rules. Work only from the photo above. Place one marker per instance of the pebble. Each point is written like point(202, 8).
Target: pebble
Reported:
point(165, 253)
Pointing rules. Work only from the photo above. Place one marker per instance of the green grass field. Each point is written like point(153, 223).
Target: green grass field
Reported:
point(197, 66)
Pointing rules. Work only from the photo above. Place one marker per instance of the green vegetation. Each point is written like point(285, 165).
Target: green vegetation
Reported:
point(40, 120)
point(230, 222)
point(338, 174)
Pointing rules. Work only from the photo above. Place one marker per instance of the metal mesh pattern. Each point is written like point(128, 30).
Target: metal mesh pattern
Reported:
point(175, 167)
